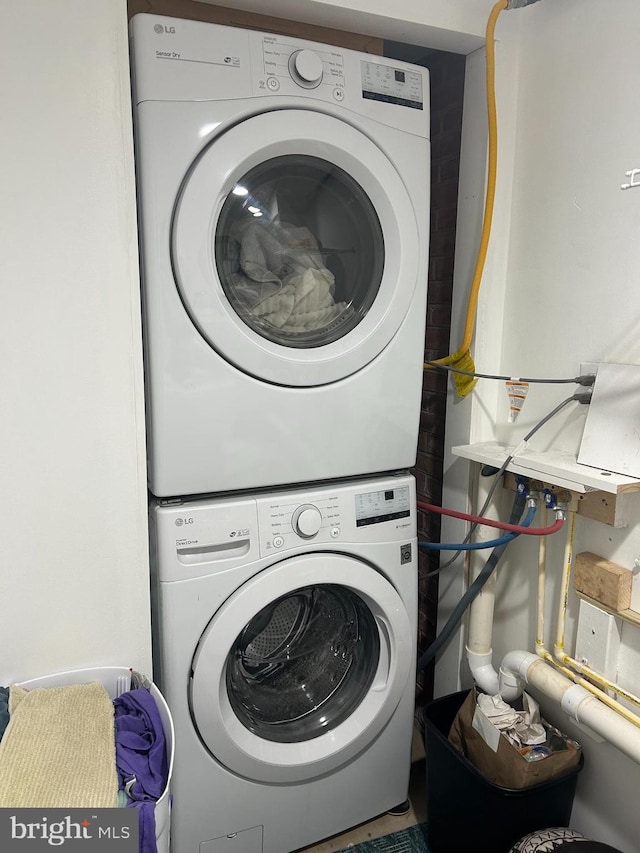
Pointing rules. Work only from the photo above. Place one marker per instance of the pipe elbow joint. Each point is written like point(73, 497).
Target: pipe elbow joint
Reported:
point(483, 672)
point(513, 674)
point(511, 685)
point(559, 652)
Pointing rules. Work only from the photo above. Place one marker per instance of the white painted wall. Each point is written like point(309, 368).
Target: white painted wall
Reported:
point(456, 26)
point(561, 288)
point(74, 563)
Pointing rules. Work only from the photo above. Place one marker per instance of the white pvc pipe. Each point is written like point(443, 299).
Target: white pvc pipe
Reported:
point(577, 702)
point(480, 627)
point(483, 671)
point(489, 681)
point(481, 618)
point(479, 636)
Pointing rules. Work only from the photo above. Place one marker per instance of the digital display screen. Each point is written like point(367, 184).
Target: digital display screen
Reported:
point(381, 82)
point(386, 505)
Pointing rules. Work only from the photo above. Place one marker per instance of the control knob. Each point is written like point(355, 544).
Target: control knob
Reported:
point(306, 521)
point(305, 68)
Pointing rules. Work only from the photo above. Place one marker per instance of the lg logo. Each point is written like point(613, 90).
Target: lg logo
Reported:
point(181, 521)
point(158, 28)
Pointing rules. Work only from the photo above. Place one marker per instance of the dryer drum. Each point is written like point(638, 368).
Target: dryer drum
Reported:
point(299, 251)
point(303, 664)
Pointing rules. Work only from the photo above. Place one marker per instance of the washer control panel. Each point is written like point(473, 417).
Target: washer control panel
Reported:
point(292, 520)
point(331, 515)
point(383, 505)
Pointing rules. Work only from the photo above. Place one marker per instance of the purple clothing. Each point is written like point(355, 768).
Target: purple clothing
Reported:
point(141, 758)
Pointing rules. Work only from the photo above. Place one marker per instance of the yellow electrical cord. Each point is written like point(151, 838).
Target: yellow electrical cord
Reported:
point(462, 358)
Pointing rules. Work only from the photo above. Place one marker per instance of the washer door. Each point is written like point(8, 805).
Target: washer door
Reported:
point(301, 668)
point(295, 247)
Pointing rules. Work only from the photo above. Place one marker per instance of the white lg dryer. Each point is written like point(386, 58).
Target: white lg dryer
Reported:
point(285, 645)
point(283, 205)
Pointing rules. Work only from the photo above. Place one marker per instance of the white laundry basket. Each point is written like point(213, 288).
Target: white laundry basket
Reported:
point(117, 680)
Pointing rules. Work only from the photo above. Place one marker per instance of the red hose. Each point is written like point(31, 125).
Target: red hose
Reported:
point(490, 522)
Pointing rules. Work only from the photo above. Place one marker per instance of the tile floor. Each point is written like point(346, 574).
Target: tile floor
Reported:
point(385, 824)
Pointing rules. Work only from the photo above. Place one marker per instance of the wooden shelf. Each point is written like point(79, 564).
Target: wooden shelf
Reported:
point(555, 466)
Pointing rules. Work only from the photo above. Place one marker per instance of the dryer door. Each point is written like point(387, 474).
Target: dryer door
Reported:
point(301, 668)
point(295, 247)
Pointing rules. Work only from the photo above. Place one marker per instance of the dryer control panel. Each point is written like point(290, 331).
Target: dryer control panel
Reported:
point(183, 60)
point(288, 65)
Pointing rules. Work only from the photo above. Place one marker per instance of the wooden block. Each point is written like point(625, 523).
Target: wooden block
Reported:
point(605, 507)
point(603, 581)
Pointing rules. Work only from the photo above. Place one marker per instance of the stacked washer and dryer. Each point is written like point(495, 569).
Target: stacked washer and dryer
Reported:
point(283, 207)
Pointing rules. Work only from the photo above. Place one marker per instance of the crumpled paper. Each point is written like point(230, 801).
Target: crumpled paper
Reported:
point(522, 728)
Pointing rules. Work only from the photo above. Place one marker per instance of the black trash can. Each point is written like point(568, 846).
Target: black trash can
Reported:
point(467, 812)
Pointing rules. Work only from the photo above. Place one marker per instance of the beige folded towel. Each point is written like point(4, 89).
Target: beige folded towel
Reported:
point(58, 750)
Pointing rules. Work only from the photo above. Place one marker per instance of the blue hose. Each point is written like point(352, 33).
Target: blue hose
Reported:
point(466, 546)
point(485, 573)
point(477, 546)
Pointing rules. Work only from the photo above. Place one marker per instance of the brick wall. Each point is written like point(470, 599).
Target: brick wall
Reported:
point(447, 85)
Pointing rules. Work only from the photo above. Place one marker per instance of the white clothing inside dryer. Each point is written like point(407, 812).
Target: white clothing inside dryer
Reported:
point(281, 277)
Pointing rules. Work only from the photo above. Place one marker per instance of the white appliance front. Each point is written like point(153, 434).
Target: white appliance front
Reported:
point(285, 644)
point(283, 204)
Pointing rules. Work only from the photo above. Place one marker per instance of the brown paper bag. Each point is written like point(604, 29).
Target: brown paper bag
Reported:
point(506, 767)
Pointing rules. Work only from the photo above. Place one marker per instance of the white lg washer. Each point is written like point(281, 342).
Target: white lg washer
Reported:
point(283, 204)
point(285, 644)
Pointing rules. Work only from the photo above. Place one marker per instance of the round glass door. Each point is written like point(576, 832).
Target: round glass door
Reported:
point(295, 247)
point(301, 668)
point(303, 664)
point(299, 251)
